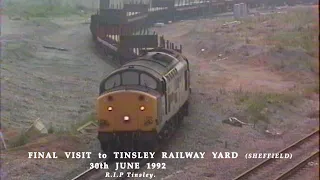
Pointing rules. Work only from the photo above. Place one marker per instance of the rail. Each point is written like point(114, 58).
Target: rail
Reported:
point(266, 162)
point(297, 167)
point(87, 173)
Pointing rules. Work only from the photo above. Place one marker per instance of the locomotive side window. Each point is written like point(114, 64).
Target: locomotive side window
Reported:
point(112, 81)
point(148, 81)
point(130, 78)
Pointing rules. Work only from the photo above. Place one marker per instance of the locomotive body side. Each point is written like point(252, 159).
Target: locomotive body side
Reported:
point(177, 91)
point(144, 100)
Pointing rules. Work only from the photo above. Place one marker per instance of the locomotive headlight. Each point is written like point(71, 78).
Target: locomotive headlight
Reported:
point(110, 108)
point(126, 118)
point(142, 108)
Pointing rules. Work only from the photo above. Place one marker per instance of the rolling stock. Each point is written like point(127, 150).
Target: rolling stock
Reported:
point(143, 101)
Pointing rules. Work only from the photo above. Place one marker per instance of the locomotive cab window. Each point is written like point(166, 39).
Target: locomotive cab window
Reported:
point(112, 81)
point(130, 78)
point(148, 81)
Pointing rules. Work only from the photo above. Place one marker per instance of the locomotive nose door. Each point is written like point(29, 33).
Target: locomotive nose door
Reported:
point(128, 119)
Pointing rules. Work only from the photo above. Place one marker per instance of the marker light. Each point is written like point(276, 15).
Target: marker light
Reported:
point(109, 108)
point(142, 108)
point(126, 118)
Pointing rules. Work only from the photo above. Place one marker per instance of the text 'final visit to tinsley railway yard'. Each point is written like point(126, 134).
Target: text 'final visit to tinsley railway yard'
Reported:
point(164, 155)
point(148, 155)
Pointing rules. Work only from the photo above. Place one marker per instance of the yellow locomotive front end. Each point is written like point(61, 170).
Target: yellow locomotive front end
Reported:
point(128, 112)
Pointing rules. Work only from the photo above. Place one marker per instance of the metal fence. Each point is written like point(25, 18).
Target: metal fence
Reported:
point(121, 27)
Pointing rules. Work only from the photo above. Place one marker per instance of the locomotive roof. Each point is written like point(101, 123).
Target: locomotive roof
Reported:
point(157, 63)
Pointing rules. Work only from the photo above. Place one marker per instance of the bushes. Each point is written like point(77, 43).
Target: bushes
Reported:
point(256, 104)
point(19, 140)
point(301, 31)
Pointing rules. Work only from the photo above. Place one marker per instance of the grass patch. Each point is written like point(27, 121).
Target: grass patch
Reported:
point(300, 30)
point(255, 105)
point(19, 140)
point(313, 114)
point(314, 88)
point(90, 117)
point(73, 128)
point(301, 39)
point(51, 8)
point(286, 61)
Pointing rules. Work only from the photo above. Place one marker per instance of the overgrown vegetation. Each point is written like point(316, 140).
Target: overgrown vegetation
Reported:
point(73, 128)
point(300, 30)
point(90, 117)
point(256, 104)
point(45, 8)
point(19, 140)
point(314, 88)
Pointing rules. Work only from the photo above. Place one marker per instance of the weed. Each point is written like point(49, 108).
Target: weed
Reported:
point(256, 108)
point(279, 48)
point(256, 104)
point(313, 114)
point(241, 96)
point(63, 131)
point(222, 91)
point(312, 89)
point(299, 33)
point(247, 40)
point(76, 125)
point(20, 140)
point(51, 129)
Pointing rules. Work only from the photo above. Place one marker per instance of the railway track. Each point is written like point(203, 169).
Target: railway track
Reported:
point(297, 167)
point(89, 172)
point(303, 151)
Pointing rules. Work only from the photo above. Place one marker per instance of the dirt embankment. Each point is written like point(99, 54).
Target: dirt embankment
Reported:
point(263, 71)
point(56, 85)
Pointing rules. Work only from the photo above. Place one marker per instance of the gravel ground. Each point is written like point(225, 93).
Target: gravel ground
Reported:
point(213, 81)
point(58, 87)
point(55, 86)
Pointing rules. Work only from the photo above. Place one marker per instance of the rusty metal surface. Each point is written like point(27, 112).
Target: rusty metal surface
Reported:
point(163, 3)
point(136, 7)
point(141, 17)
point(112, 16)
point(138, 41)
point(104, 4)
point(121, 30)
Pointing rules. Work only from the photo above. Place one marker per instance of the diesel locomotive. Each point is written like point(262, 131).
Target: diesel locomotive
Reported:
point(143, 101)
